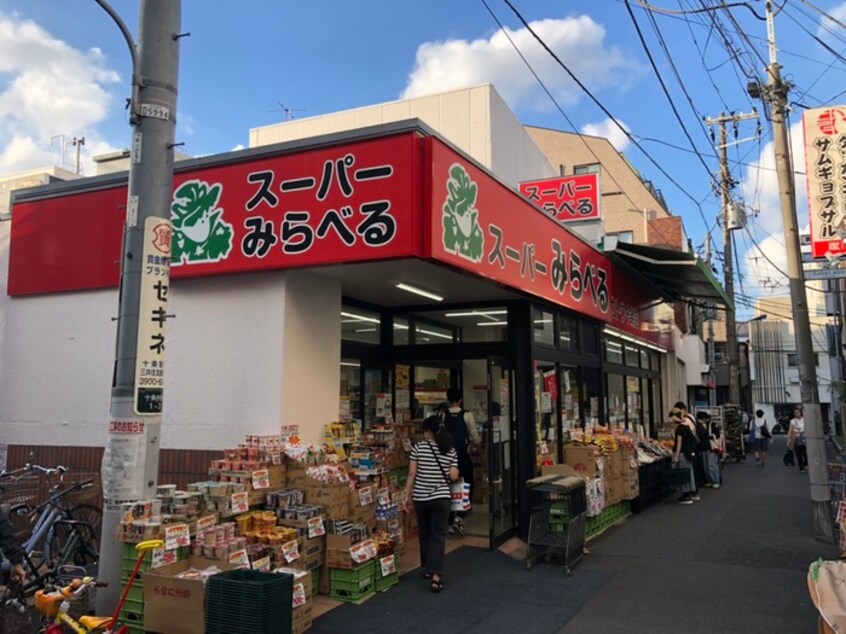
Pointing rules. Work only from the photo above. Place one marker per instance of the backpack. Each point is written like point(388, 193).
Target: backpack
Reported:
point(455, 425)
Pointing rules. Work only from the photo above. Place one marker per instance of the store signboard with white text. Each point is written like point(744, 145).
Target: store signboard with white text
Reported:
point(825, 166)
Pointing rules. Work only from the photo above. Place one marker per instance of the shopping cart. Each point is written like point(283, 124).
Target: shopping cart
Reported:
point(558, 519)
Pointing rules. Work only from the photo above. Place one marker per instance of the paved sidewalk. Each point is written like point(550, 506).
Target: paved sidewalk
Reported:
point(734, 562)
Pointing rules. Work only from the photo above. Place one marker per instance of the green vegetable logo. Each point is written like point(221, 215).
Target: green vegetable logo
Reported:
point(462, 233)
point(200, 234)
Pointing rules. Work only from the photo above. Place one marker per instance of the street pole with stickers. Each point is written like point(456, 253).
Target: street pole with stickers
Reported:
point(131, 458)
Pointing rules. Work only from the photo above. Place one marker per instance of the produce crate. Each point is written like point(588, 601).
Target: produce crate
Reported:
point(132, 619)
point(352, 585)
point(610, 515)
point(359, 576)
point(248, 601)
point(383, 583)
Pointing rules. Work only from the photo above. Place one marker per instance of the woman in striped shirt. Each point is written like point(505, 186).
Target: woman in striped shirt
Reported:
point(433, 466)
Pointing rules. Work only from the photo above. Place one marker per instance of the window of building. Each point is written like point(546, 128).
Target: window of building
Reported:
point(543, 327)
point(429, 333)
point(362, 326)
point(613, 351)
point(624, 236)
point(793, 359)
point(568, 334)
point(632, 356)
point(400, 331)
point(589, 168)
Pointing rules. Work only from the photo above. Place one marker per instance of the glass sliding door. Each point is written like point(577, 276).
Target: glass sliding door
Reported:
point(500, 451)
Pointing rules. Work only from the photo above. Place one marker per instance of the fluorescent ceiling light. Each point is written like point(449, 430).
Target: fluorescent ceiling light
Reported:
point(435, 334)
point(543, 321)
point(400, 326)
point(419, 291)
point(365, 330)
point(372, 320)
point(492, 323)
point(351, 364)
point(477, 313)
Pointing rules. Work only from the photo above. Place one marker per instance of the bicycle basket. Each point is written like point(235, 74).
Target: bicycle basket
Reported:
point(22, 490)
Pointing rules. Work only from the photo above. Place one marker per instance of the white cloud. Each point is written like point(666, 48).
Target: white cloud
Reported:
point(238, 147)
point(762, 267)
point(48, 89)
point(760, 184)
point(578, 41)
point(609, 130)
point(829, 31)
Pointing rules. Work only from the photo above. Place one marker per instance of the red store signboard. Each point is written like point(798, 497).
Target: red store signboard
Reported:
point(565, 198)
point(480, 225)
point(352, 203)
point(357, 202)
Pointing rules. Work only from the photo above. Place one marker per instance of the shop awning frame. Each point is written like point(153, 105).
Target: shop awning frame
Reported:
point(676, 275)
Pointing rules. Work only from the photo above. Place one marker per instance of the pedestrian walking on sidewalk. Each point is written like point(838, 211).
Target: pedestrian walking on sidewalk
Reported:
point(432, 468)
point(760, 432)
point(684, 452)
point(796, 439)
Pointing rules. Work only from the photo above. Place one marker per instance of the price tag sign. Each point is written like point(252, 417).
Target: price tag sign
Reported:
point(239, 558)
point(262, 564)
point(406, 444)
point(206, 522)
point(276, 458)
point(389, 565)
point(359, 554)
point(383, 496)
point(291, 551)
point(393, 528)
point(365, 496)
point(544, 449)
point(299, 597)
point(315, 527)
point(240, 503)
point(261, 479)
point(176, 536)
point(162, 557)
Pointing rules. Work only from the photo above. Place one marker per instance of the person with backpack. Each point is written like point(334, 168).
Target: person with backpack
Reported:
point(461, 425)
point(759, 432)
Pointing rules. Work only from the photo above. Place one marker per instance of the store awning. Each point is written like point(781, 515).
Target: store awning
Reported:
point(678, 276)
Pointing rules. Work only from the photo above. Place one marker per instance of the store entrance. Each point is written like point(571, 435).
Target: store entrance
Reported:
point(487, 386)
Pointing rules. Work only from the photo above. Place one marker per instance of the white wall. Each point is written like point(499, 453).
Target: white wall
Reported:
point(311, 363)
point(56, 363)
point(244, 354)
point(476, 120)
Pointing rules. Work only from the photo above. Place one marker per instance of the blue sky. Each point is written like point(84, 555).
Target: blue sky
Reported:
point(64, 69)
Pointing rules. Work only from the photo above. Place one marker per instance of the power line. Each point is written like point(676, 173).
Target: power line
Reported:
point(605, 110)
point(667, 94)
point(564, 114)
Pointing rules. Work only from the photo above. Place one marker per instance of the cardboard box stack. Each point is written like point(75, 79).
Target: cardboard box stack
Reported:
point(303, 598)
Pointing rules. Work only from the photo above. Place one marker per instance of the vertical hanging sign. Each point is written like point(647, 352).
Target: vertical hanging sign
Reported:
point(152, 316)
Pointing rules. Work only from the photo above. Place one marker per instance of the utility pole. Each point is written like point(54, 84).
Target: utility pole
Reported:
point(712, 353)
point(131, 458)
point(78, 143)
point(726, 185)
point(775, 94)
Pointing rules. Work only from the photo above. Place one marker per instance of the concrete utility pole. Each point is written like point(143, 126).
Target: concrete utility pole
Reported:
point(775, 93)
point(726, 185)
point(712, 353)
point(131, 458)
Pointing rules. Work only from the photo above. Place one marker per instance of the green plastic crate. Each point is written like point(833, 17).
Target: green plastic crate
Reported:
point(360, 576)
point(383, 583)
point(246, 601)
point(132, 619)
point(350, 595)
point(315, 581)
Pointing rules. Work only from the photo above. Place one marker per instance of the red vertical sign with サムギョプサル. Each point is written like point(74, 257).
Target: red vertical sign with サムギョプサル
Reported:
point(825, 167)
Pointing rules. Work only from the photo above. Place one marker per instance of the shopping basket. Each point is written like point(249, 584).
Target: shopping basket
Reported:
point(677, 476)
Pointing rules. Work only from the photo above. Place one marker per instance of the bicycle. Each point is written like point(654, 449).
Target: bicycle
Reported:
point(62, 534)
point(55, 604)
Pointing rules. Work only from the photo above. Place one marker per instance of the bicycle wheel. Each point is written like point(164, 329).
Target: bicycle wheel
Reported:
point(72, 545)
point(91, 515)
